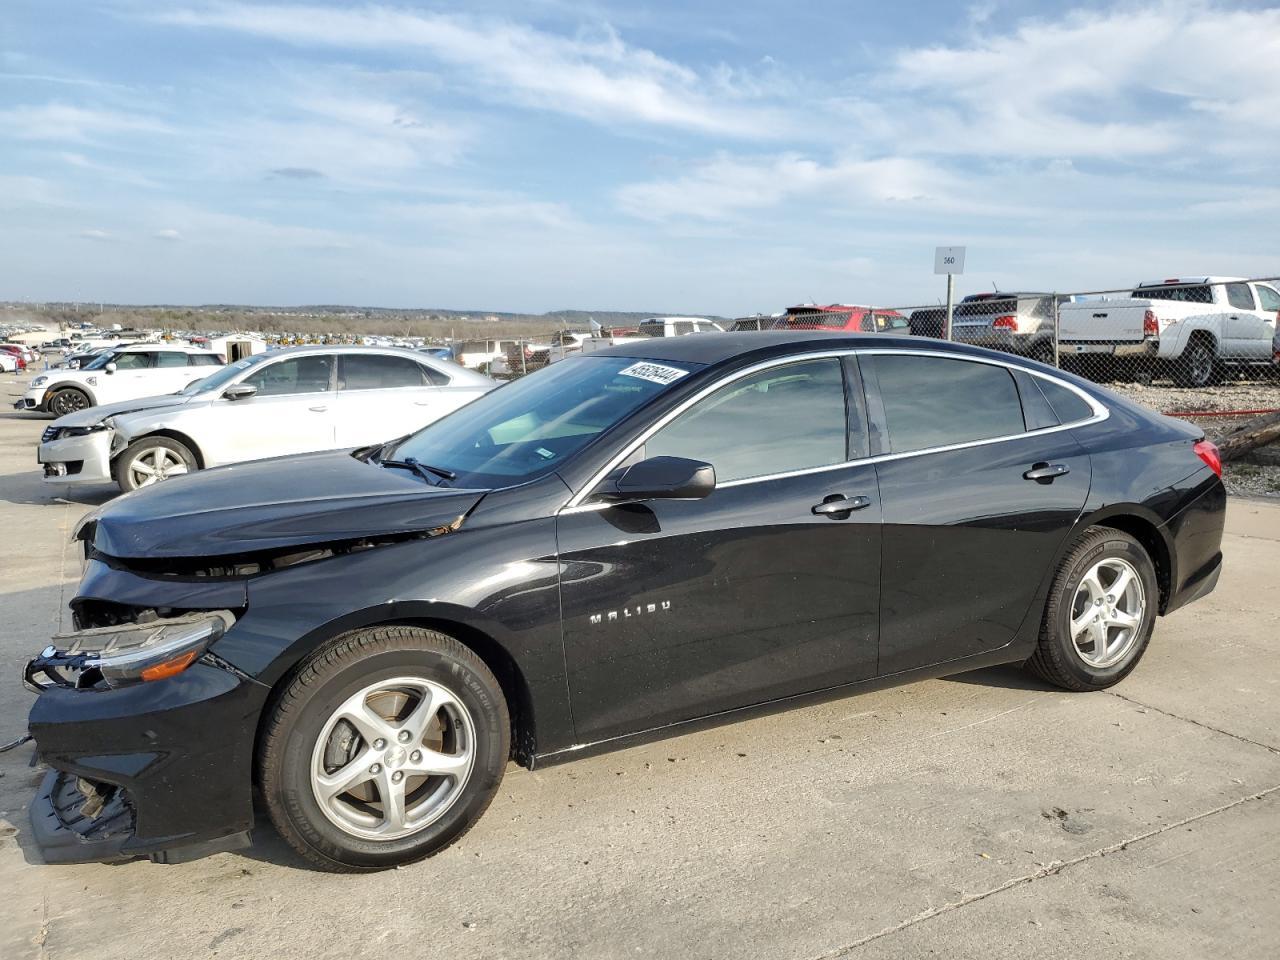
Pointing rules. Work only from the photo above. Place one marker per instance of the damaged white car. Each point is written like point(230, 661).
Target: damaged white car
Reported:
point(273, 404)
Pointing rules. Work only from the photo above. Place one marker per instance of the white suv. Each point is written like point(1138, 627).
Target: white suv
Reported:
point(124, 373)
point(298, 400)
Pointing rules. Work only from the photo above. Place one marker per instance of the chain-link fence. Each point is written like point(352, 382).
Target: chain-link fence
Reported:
point(1184, 333)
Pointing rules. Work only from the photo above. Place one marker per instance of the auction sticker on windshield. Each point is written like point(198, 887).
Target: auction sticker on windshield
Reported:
point(654, 372)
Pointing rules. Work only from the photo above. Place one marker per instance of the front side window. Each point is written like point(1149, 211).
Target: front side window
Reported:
point(309, 374)
point(372, 371)
point(785, 418)
point(136, 360)
point(1240, 296)
point(1269, 299)
point(936, 401)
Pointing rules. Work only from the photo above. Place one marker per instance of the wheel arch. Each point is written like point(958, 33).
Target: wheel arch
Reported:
point(480, 639)
point(53, 388)
point(1148, 530)
point(172, 434)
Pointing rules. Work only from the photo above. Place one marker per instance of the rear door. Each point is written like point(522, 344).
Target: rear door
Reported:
point(173, 370)
point(675, 609)
point(968, 535)
point(384, 396)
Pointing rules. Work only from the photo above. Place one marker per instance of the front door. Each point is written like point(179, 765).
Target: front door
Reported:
point(675, 609)
point(968, 536)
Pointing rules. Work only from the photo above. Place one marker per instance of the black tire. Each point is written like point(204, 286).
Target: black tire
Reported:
point(1043, 352)
point(1198, 366)
point(298, 715)
point(68, 400)
point(161, 450)
point(1057, 660)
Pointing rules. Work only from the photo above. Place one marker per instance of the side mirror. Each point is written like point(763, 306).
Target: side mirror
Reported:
point(110, 367)
point(661, 478)
point(239, 391)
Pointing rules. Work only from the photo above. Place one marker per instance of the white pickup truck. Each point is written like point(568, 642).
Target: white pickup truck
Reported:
point(1197, 326)
point(652, 327)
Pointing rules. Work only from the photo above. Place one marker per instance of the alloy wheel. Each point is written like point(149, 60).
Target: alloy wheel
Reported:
point(392, 758)
point(69, 401)
point(155, 464)
point(1107, 613)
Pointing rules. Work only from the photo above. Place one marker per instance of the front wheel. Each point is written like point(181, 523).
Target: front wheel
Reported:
point(1101, 610)
point(150, 460)
point(387, 745)
point(68, 400)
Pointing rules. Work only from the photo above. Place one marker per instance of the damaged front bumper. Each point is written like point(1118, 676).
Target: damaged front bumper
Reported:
point(159, 769)
point(83, 458)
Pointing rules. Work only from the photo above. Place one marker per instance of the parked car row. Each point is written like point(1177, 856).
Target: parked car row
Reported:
point(271, 404)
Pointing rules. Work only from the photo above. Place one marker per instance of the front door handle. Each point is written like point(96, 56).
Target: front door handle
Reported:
point(838, 506)
point(319, 409)
point(1046, 472)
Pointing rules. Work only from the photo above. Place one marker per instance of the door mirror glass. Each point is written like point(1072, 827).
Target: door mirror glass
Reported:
point(661, 478)
point(239, 391)
point(110, 367)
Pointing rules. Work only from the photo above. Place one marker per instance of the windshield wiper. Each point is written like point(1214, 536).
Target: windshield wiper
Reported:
point(424, 470)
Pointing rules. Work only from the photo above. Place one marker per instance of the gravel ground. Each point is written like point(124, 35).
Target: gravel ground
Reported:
point(1242, 479)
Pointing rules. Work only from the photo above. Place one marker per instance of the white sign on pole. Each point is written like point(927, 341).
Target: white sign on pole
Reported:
point(948, 260)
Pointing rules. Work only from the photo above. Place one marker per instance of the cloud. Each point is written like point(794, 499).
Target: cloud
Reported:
point(67, 123)
point(726, 185)
point(170, 235)
point(99, 236)
point(1133, 83)
point(593, 75)
point(297, 173)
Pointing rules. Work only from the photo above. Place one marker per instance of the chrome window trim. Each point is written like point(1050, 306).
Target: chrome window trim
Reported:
point(1100, 413)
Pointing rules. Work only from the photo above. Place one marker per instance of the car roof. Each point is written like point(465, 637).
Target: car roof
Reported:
point(717, 348)
point(126, 347)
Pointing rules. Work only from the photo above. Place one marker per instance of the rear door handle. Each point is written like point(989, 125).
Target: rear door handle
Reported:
point(838, 506)
point(1046, 472)
point(319, 409)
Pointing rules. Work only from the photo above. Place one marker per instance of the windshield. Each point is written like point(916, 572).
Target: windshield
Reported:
point(526, 429)
point(101, 360)
point(223, 376)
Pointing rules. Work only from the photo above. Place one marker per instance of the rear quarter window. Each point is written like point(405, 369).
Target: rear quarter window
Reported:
point(1067, 404)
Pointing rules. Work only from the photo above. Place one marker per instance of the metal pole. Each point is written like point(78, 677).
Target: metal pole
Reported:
point(951, 296)
point(1057, 329)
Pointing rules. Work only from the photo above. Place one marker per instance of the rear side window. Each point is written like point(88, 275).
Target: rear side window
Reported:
point(364, 371)
point(171, 358)
point(1269, 298)
point(936, 401)
point(1067, 404)
point(785, 418)
point(1240, 296)
point(203, 360)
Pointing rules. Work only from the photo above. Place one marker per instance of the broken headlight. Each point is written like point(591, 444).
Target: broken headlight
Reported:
point(129, 653)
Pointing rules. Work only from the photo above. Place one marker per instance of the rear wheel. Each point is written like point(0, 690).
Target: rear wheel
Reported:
point(150, 460)
point(1101, 611)
point(68, 400)
point(1198, 365)
point(387, 745)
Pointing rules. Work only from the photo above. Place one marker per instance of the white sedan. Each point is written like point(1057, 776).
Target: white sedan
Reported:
point(273, 404)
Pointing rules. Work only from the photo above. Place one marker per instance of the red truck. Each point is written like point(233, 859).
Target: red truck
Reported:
point(845, 317)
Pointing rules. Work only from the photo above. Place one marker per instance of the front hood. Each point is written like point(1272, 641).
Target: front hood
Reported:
point(270, 504)
point(92, 415)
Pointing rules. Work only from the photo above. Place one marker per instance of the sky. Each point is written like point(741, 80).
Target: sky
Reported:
point(715, 157)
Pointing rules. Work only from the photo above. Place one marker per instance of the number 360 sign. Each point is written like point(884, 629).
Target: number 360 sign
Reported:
point(948, 260)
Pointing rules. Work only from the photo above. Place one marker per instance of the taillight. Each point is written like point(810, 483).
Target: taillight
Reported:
point(1150, 324)
point(1208, 452)
point(1008, 322)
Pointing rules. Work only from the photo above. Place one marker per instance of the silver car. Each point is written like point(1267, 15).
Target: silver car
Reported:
point(282, 402)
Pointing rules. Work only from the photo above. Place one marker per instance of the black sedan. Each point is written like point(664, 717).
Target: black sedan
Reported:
point(622, 546)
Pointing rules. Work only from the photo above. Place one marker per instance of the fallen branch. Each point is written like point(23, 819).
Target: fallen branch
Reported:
point(1249, 436)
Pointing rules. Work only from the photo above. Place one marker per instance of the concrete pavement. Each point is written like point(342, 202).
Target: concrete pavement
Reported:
point(983, 815)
